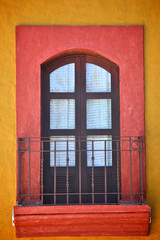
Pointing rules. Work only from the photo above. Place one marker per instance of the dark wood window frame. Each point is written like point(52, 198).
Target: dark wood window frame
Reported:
point(80, 95)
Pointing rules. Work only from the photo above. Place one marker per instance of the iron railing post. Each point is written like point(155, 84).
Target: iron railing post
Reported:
point(105, 173)
point(80, 179)
point(19, 170)
point(67, 175)
point(55, 172)
point(29, 169)
point(118, 169)
point(140, 167)
point(41, 177)
point(92, 172)
point(130, 152)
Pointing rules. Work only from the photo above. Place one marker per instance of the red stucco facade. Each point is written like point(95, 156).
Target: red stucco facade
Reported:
point(121, 45)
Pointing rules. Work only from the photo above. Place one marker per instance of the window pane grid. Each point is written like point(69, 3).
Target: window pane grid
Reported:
point(97, 79)
point(63, 79)
point(99, 114)
point(62, 114)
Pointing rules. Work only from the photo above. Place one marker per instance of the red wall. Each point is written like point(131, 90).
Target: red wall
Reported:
point(121, 45)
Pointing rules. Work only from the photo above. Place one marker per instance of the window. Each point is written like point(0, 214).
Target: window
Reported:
point(75, 134)
point(80, 116)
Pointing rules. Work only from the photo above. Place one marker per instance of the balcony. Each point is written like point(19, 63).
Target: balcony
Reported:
point(126, 150)
point(122, 203)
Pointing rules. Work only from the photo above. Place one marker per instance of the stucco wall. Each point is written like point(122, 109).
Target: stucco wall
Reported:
point(78, 12)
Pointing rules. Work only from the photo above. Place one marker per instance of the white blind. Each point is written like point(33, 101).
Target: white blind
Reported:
point(99, 114)
point(61, 151)
point(99, 143)
point(97, 79)
point(63, 79)
point(62, 114)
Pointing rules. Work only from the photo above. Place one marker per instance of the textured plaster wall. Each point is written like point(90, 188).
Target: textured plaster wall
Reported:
point(78, 12)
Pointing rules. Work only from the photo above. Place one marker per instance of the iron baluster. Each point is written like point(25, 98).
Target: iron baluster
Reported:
point(19, 170)
point(105, 172)
point(80, 180)
point(130, 151)
point(42, 159)
point(118, 175)
point(55, 172)
point(140, 167)
point(67, 175)
point(29, 168)
point(92, 172)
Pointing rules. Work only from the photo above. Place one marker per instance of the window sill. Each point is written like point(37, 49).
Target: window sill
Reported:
point(83, 220)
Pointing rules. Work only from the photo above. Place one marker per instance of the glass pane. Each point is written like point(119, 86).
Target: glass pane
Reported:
point(63, 79)
point(61, 151)
point(98, 152)
point(99, 114)
point(62, 114)
point(97, 79)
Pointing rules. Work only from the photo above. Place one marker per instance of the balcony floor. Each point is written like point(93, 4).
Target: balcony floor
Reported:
point(82, 220)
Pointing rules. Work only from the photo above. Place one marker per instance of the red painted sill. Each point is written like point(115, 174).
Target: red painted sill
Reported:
point(91, 220)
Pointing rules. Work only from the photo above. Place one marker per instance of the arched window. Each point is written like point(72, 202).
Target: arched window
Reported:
point(79, 118)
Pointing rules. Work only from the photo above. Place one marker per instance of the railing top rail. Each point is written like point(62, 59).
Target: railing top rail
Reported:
point(81, 137)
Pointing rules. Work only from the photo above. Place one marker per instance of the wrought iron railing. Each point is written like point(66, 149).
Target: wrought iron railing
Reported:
point(122, 154)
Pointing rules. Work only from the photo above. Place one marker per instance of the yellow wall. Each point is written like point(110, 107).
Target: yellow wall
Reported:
point(78, 12)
